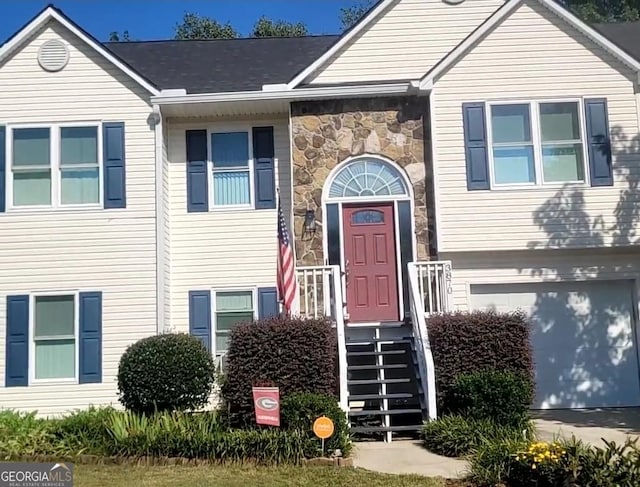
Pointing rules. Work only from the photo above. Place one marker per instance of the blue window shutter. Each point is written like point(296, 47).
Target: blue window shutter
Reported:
point(475, 146)
point(599, 142)
point(115, 191)
point(90, 337)
point(3, 168)
point(406, 249)
point(17, 352)
point(268, 306)
point(264, 167)
point(333, 234)
point(200, 316)
point(197, 177)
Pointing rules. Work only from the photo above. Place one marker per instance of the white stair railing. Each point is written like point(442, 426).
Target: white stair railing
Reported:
point(321, 295)
point(430, 293)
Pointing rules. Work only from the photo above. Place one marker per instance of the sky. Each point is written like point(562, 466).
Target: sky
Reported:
point(156, 19)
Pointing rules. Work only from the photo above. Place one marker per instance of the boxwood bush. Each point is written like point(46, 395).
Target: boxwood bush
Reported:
point(463, 343)
point(172, 372)
point(298, 412)
point(295, 354)
point(501, 396)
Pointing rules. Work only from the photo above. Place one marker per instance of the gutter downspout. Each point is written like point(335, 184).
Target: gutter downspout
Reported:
point(156, 118)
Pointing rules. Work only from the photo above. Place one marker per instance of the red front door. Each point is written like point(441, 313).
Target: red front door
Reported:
point(370, 263)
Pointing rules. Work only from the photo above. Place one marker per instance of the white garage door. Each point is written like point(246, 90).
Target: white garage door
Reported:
point(583, 339)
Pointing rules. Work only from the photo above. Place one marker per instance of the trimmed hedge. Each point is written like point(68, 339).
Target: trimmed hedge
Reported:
point(171, 372)
point(298, 412)
point(503, 397)
point(468, 342)
point(297, 355)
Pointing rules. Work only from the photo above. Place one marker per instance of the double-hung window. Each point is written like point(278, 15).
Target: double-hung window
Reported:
point(537, 143)
point(231, 308)
point(232, 171)
point(54, 337)
point(55, 166)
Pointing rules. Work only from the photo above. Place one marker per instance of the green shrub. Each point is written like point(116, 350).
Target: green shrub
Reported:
point(295, 354)
point(84, 430)
point(173, 434)
point(541, 464)
point(491, 461)
point(555, 464)
point(501, 396)
point(22, 432)
point(467, 342)
point(610, 466)
point(456, 436)
point(172, 372)
point(25, 434)
point(300, 410)
point(111, 432)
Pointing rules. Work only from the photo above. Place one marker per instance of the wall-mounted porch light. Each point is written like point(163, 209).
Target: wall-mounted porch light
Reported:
point(309, 225)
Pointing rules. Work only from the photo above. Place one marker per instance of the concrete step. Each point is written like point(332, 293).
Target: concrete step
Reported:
point(382, 412)
point(377, 367)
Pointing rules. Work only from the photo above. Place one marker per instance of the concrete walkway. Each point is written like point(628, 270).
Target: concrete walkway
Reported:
point(406, 457)
point(589, 425)
point(410, 457)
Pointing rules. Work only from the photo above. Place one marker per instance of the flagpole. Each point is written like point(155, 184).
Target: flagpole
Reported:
point(279, 284)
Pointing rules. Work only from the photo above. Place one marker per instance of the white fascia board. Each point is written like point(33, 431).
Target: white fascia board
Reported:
point(359, 27)
point(275, 87)
point(287, 94)
point(427, 82)
point(51, 14)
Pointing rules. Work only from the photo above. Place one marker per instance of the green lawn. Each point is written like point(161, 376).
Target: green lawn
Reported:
point(236, 476)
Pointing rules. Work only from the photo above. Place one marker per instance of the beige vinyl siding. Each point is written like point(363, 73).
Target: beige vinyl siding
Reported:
point(534, 55)
point(518, 267)
point(112, 251)
point(406, 41)
point(221, 248)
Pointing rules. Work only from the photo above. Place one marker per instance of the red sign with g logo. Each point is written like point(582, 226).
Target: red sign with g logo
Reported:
point(266, 401)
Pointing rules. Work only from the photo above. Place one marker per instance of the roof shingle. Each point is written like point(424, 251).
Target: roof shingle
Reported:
point(221, 65)
point(625, 35)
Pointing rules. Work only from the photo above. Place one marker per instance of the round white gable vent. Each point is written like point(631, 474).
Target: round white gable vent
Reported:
point(53, 55)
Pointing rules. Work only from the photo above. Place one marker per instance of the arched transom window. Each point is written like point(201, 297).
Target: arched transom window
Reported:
point(367, 177)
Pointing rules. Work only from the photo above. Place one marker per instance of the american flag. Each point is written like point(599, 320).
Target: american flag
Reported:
point(286, 268)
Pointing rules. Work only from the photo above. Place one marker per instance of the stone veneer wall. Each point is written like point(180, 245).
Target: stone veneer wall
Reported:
point(325, 133)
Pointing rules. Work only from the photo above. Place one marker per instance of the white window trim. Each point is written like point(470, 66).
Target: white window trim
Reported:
point(32, 335)
point(54, 158)
point(229, 129)
point(536, 140)
point(214, 324)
